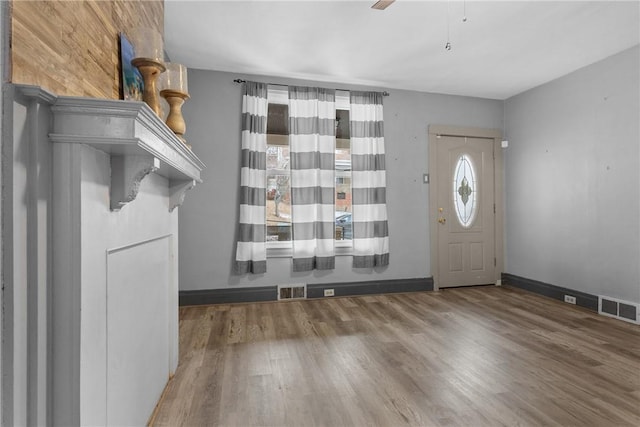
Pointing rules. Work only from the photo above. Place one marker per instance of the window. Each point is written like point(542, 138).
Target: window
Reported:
point(344, 226)
point(278, 198)
point(278, 189)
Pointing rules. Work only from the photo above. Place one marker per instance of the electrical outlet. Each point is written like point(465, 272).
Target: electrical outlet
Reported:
point(329, 293)
point(569, 299)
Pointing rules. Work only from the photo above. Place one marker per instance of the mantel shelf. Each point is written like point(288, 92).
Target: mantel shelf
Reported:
point(138, 141)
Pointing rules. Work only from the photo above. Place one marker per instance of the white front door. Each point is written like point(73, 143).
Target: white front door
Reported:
point(464, 211)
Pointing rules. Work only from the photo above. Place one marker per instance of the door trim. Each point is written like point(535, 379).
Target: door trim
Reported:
point(436, 131)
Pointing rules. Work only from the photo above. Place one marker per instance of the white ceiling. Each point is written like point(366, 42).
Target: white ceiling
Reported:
point(504, 48)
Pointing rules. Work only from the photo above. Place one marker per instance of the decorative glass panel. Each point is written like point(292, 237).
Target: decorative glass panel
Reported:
point(465, 191)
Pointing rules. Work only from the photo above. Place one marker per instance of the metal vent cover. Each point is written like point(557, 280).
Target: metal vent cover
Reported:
point(628, 311)
point(619, 309)
point(609, 307)
point(292, 292)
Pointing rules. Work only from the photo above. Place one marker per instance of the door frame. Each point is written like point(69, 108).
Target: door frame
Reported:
point(435, 132)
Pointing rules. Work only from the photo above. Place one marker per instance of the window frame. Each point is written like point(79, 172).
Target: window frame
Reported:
point(279, 94)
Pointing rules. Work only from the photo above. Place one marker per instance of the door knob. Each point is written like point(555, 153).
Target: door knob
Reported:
point(442, 220)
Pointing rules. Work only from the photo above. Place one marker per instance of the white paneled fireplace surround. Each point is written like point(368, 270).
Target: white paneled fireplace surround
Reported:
point(91, 251)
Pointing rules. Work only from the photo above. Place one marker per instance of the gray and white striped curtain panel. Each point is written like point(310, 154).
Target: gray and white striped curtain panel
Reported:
point(251, 252)
point(312, 144)
point(370, 226)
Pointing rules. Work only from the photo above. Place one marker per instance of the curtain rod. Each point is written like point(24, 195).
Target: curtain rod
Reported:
point(385, 93)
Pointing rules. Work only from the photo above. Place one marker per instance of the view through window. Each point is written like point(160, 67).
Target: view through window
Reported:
point(278, 189)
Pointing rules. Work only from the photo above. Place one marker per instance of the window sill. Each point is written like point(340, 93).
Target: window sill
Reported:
point(284, 249)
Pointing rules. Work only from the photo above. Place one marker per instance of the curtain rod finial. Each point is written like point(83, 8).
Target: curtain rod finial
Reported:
point(239, 81)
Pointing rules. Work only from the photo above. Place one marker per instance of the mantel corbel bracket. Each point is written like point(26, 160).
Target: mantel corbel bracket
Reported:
point(126, 174)
point(177, 192)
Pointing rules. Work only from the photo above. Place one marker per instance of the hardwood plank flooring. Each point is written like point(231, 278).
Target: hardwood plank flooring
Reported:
point(484, 356)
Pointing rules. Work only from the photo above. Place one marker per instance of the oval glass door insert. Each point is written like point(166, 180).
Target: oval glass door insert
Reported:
point(464, 190)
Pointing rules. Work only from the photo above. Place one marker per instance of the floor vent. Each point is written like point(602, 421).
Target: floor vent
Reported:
point(620, 309)
point(292, 292)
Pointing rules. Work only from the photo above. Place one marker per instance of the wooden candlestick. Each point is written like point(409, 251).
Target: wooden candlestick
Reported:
point(175, 120)
point(150, 70)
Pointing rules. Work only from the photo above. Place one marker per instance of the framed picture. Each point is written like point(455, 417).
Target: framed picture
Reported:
point(132, 84)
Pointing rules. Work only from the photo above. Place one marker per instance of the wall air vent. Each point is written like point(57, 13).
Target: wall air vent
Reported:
point(619, 309)
point(292, 292)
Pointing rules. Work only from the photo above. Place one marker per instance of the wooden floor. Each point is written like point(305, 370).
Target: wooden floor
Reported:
point(459, 357)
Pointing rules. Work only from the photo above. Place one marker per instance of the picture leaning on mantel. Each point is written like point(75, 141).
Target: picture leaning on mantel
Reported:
point(132, 84)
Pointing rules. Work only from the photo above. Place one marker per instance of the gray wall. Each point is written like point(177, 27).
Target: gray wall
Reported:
point(209, 214)
point(572, 216)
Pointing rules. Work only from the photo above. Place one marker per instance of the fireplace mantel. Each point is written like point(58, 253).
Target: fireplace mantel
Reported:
point(138, 141)
point(90, 257)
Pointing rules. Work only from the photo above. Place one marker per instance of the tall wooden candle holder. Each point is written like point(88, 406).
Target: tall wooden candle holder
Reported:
point(175, 120)
point(149, 54)
point(150, 70)
point(174, 88)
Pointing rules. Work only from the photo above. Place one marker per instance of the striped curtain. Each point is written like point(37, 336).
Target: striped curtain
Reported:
point(251, 252)
point(312, 144)
point(370, 226)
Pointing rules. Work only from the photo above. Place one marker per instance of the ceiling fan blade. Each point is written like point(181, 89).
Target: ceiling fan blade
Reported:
point(382, 4)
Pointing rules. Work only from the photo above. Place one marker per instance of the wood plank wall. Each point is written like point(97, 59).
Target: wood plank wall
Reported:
point(72, 47)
